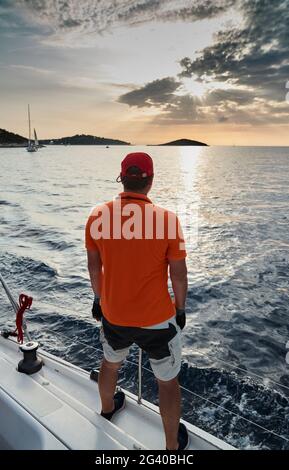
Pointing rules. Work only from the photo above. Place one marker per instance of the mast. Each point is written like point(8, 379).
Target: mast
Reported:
point(29, 125)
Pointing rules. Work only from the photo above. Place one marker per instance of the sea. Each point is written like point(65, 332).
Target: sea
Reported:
point(233, 204)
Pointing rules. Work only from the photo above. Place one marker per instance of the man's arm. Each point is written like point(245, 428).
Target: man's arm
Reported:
point(94, 265)
point(178, 275)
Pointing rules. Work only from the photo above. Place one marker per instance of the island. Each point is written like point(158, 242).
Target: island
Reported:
point(83, 139)
point(9, 139)
point(185, 142)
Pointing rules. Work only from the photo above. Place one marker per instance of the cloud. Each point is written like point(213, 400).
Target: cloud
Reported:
point(88, 16)
point(181, 110)
point(234, 105)
point(155, 93)
point(31, 69)
point(166, 10)
point(32, 78)
point(250, 63)
point(163, 95)
point(233, 95)
point(254, 56)
point(245, 68)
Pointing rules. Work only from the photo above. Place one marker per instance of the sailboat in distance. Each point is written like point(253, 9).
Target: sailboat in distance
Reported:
point(33, 144)
point(36, 143)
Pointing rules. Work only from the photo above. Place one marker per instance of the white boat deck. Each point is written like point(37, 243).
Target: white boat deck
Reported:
point(58, 408)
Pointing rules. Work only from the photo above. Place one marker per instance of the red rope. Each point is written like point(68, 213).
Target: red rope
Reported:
point(25, 302)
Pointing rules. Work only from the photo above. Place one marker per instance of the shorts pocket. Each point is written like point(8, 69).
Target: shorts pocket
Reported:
point(175, 348)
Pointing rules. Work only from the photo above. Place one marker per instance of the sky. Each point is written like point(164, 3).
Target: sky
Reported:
point(147, 71)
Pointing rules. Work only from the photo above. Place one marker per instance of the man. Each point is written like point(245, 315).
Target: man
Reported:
point(128, 261)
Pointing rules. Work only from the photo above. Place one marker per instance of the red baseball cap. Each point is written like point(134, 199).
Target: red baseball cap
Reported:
point(140, 160)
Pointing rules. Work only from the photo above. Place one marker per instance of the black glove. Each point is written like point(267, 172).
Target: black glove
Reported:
point(96, 309)
point(181, 317)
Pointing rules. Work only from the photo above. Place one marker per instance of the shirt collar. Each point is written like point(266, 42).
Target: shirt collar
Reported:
point(131, 195)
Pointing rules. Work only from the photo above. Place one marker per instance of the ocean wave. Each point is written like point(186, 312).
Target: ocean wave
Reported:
point(25, 271)
point(238, 278)
point(48, 237)
point(8, 203)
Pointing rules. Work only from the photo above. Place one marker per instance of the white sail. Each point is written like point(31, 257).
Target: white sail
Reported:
point(35, 139)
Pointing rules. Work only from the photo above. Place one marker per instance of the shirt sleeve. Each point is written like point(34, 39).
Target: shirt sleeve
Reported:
point(90, 243)
point(176, 243)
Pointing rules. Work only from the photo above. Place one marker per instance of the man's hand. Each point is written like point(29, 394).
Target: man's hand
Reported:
point(178, 274)
point(96, 309)
point(95, 268)
point(181, 317)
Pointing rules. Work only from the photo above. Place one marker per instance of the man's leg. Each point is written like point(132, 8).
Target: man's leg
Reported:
point(107, 381)
point(114, 355)
point(170, 409)
point(166, 360)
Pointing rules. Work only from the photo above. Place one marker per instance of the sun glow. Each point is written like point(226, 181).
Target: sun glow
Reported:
point(193, 87)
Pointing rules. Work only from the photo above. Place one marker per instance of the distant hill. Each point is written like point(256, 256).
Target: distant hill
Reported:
point(83, 139)
point(9, 138)
point(185, 142)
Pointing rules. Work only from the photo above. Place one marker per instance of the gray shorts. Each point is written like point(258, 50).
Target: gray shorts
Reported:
point(162, 343)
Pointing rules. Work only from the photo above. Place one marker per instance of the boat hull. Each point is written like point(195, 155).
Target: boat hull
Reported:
point(49, 408)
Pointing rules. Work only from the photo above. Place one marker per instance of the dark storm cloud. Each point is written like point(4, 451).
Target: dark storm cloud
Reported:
point(156, 93)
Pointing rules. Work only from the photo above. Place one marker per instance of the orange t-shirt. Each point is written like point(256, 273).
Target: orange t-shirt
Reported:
point(135, 240)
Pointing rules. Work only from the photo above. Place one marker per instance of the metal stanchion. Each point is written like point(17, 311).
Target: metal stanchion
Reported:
point(139, 376)
point(14, 305)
